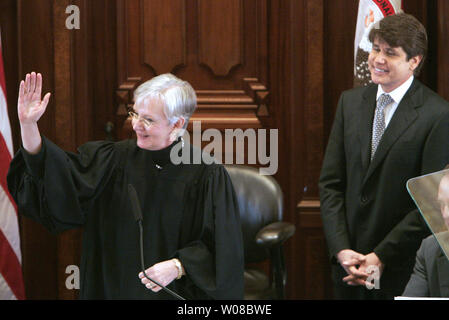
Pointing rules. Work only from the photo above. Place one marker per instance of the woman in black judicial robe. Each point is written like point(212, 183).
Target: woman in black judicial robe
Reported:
point(192, 235)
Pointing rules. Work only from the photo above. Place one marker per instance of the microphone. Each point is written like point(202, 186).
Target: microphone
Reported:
point(139, 218)
point(135, 203)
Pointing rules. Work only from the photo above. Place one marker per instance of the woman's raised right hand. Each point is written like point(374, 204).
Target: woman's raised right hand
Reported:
point(30, 107)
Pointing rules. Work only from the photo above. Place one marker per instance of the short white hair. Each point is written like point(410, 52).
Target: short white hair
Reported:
point(178, 96)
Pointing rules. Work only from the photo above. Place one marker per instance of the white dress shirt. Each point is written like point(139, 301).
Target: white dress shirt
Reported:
point(397, 95)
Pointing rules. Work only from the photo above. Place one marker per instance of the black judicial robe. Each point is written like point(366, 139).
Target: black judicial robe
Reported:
point(190, 211)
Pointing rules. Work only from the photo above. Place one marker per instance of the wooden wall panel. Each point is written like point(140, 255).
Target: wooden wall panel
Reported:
point(101, 43)
point(39, 247)
point(220, 35)
point(328, 57)
point(63, 103)
point(163, 32)
point(65, 127)
point(338, 55)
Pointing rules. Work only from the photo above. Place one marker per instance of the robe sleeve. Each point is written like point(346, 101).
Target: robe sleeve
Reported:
point(215, 262)
point(56, 188)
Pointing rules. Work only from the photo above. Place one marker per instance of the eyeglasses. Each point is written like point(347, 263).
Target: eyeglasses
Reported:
point(146, 122)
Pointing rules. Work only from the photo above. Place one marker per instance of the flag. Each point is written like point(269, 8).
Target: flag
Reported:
point(370, 12)
point(11, 281)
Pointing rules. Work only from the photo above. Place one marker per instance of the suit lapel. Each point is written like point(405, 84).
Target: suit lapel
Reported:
point(366, 115)
point(443, 275)
point(403, 117)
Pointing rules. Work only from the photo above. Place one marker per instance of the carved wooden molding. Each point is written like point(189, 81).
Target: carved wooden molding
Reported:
point(216, 108)
point(229, 37)
point(125, 95)
point(309, 214)
point(215, 98)
point(260, 95)
point(222, 121)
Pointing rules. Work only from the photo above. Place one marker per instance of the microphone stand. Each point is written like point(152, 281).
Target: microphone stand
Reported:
point(174, 294)
point(138, 216)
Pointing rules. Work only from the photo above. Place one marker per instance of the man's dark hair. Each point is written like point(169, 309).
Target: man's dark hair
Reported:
point(405, 31)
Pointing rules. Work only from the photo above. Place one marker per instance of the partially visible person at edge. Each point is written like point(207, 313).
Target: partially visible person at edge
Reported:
point(383, 135)
point(430, 277)
point(192, 233)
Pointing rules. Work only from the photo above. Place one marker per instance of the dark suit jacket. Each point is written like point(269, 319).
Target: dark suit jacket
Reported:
point(430, 276)
point(365, 205)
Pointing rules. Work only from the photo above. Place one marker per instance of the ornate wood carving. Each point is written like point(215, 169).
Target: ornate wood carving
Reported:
point(124, 95)
point(260, 95)
point(184, 36)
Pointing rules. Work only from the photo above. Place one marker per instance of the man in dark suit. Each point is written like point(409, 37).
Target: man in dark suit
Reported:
point(430, 276)
point(382, 135)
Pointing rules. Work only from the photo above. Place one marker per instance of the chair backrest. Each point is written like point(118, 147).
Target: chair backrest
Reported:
point(260, 202)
